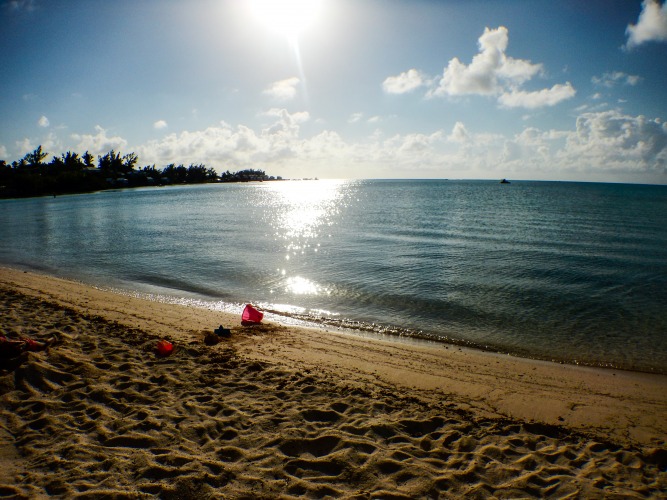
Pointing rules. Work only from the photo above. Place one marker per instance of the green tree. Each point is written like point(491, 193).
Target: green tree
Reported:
point(67, 162)
point(151, 171)
point(110, 163)
point(71, 173)
point(177, 174)
point(88, 159)
point(196, 174)
point(72, 162)
point(129, 161)
point(35, 158)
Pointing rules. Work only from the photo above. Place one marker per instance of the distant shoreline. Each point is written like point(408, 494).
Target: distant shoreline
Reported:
point(73, 174)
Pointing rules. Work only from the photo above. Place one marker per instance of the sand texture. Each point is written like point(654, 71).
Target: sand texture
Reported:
point(284, 412)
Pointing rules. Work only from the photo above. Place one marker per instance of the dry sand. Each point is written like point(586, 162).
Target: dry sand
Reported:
point(285, 412)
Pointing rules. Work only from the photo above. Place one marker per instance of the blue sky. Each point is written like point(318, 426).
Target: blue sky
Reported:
point(524, 89)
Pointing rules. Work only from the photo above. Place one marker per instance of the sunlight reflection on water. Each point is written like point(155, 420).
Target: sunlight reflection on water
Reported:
point(302, 286)
point(303, 208)
point(300, 213)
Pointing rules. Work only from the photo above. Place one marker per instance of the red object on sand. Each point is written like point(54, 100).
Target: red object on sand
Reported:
point(11, 348)
point(31, 345)
point(164, 348)
point(251, 315)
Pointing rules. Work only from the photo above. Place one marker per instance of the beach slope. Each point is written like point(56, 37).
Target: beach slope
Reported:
point(277, 411)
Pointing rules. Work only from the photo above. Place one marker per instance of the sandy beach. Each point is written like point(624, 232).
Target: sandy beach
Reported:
point(278, 411)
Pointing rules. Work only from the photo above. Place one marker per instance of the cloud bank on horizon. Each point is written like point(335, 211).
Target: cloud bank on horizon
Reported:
point(579, 102)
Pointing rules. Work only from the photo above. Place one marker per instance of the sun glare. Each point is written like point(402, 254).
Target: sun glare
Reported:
point(286, 17)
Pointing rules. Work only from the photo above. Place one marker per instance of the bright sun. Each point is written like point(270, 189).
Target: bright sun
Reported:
point(286, 17)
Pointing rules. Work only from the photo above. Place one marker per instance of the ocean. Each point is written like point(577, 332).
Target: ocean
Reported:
point(570, 272)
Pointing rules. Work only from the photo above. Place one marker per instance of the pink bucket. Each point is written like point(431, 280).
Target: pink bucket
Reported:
point(251, 315)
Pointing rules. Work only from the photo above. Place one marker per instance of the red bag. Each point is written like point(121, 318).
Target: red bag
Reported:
point(251, 315)
point(164, 348)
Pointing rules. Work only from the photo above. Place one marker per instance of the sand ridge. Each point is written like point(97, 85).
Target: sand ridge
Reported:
point(272, 413)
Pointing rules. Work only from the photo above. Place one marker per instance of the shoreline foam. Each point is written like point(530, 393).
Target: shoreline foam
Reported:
point(280, 411)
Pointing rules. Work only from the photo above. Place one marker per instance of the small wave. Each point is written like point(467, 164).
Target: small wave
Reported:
point(398, 333)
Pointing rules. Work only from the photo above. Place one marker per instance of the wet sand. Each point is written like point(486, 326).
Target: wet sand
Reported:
point(278, 411)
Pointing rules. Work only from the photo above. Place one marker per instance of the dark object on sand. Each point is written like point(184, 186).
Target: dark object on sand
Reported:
point(217, 335)
point(221, 331)
point(12, 348)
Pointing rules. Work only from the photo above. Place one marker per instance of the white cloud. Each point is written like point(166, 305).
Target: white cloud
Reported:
point(614, 139)
point(651, 26)
point(225, 147)
point(605, 146)
point(99, 143)
point(530, 145)
point(25, 145)
point(414, 143)
point(283, 114)
point(3, 152)
point(160, 124)
point(459, 133)
point(602, 145)
point(490, 72)
point(403, 83)
point(51, 142)
point(537, 99)
point(495, 74)
point(614, 78)
point(287, 124)
point(43, 121)
point(283, 90)
point(358, 117)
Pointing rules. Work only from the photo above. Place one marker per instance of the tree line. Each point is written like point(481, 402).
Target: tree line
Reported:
point(71, 173)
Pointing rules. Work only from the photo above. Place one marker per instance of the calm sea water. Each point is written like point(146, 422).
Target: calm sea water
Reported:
point(566, 271)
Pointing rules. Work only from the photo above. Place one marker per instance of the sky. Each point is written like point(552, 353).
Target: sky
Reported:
point(522, 89)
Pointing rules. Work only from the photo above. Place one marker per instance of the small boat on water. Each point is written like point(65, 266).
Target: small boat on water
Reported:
point(504, 181)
